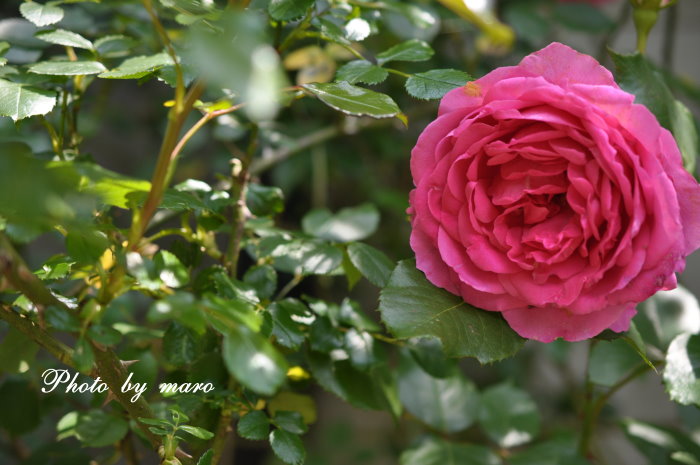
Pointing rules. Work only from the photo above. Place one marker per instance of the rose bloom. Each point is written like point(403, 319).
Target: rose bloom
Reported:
point(545, 193)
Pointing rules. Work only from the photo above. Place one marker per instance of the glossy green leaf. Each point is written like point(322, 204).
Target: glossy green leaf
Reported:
point(41, 15)
point(509, 415)
point(170, 270)
point(435, 451)
point(428, 353)
point(284, 10)
point(287, 447)
point(97, 428)
point(67, 68)
point(114, 45)
point(637, 75)
point(263, 278)
point(286, 330)
point(181, 307)
point(86, 246)
point(357, 29)
point(264, 200)
point(374, 389)
point(682, 371)
point(364, 353)
point(19, 101)
point(254, 362)
point(411, 50)
point(197, 432)
point(667, 314)
point(355, 101)
point(181, 345)
point(206, 458)
point(611, 361)
point(448, 405)
point(559, 450)
point(292, 422)
point(434, 84)
point(412, 307)
point(361, 71)
point(254, 425)
point(306, 256)
point(83, 357)
point(660, 444)
point(349, 224)
point(371, 262)
point(65, 38)
point(138, 67)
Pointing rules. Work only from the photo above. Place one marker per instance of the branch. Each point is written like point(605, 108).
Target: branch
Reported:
point(62, 352)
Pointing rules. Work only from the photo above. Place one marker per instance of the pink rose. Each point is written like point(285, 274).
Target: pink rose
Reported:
point(544, 193)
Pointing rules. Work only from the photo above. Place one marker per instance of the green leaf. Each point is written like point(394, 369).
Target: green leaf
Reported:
point(170, 270)
point(86, 246)
point(610, 361)
point(637, 75)
point(67, 68)
point(197, 432)
point(362, 350)
point(428, 353)
point(411, 50)
point(19, 101)
point(254, 362)
point(448, 405)
point(83, 356)
point(181, 345)
point(508, 415)
point(284, 10)
point(667, 314)
point(263, 278)
point(290, 421)
point(264, 201)
point(65, 38)
point(374, 389)
point(560, 450)
point(286, 330)
point(434, 84)
point(361, 71)
point(306, 256)
point(112, 188)
point(349, 224)
point(287, 447)
point(355, 101)
point(371, 262)
point(206, 458)
point(17, 351)
point(114, 45)
point(138, 67)
point(582, 16)
point(181, 307)
point(97, 428)
point(683, 369)
point(254, 425)
point(19, 403)
point(412, 307)
point(41, 15)
point(660, 444)
point(434, 451)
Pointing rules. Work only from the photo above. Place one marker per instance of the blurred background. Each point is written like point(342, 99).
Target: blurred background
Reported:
point(370, 164)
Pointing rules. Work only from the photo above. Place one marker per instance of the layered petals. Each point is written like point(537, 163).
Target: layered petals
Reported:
point(543, 192)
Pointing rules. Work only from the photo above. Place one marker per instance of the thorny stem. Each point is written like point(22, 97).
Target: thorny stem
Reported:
point(239, 184)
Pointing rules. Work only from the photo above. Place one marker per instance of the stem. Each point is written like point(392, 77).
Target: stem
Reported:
point(179, 79)
point(594, 407)
point(176, 119)
point(669, 43)
point(398, 73)
point(238, 194)
point(62, 352)
point(222, 435)
point(294, 282)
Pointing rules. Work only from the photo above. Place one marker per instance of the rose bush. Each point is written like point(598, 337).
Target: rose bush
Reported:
point(544, 192)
